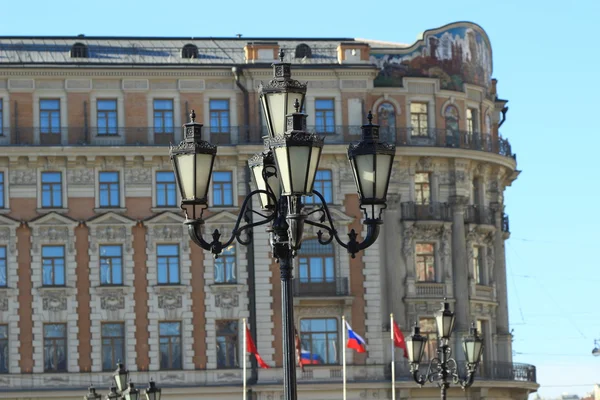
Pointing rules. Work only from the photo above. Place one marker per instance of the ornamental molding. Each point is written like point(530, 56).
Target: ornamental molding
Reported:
point(111, 228)
point(138, 73)
point(3, 304)
point(227, 299)
point(8, 233)
point(23, 177)
point(425, 163)
point(54, 300)
point(53, 228)
point(319, 310)
point(170, 299)
point(80, 176)
point(166, 227)
point(112, 300)
point(138, 176)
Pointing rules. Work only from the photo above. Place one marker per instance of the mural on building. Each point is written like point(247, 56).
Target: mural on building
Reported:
point(455, 54)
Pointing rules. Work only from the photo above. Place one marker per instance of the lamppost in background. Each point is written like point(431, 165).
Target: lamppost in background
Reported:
point(596, 350)
point(124, 389)
point(443, 369)
point(284, 173)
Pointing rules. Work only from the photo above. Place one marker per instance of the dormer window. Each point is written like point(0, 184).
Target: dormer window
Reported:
point(79, 50)
point(189, 51)
point(302, 51)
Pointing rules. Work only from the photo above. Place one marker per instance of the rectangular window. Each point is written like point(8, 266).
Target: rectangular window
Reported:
point(108, 184)
point(2, 191)
point(482, 329)
point(50, 116)
point(478, 264)
point(429, 330)
point(419, 119)
point(166, 194)
point(227, 344)
point(3, 269)
point(1, 118)
point(324, 185)
point(51, 189)
point(167, 260)
point(107, 117)
point(55, 347)
point(422, 188)
point(320, 341)
point(111, 265)
point(476, 193)
point(425, 259)
point(316, 263)
point(113, 345)
point(472, 122)
point(170, 345)
point(219, 116)
point(163, 116)
point(4, 349)
point(222, 182)
point(53, 265)
point(325, 115)
point(225, 266)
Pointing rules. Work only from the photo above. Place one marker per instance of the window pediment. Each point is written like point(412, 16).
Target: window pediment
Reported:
point(53, 228)
point(110, 228)
point(8, 234)
point(166, 227)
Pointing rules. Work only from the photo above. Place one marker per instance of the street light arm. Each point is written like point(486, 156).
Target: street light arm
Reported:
point(470, 378)
point(216, 246)
point(353, 246)
point(422, 379)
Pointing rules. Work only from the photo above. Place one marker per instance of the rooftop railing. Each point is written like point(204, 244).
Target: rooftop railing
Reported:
point(246, 135)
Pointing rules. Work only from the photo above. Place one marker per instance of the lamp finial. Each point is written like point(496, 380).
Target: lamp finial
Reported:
point(281, 55)
point(297, 105)
point(370, 117)
point(193, 116)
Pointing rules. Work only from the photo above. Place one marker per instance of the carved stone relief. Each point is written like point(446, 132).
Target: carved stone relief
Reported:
point(54, 301)
point(138, 176)
point(112, 300)
point(80, 176)
point(53, 234)
point(6, 237)
point(446, 252)
point(170, 299)
point(425, 163)
point(23, 177)
point(227, 299)
point(166, 232)
point(3, 304)
point(407, 236)
point(111, 233)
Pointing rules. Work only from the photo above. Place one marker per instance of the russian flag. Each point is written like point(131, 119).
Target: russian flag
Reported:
point(308, 358)
point(355, 341)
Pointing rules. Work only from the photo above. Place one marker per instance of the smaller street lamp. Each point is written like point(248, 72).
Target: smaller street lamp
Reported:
point(112, 394)
point(152, 392)
point(121, 376)
point(92, 395)
point(131, 393)
point(443, 369)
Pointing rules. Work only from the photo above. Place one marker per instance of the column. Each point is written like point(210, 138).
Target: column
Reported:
point(460, 272)
point(504, 350)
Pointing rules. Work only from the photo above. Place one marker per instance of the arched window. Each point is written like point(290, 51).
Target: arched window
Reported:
point(452, 133)
point(316, 270)
point(189, 51)
point(386, 118)
point(303, 50)
point(79, 50)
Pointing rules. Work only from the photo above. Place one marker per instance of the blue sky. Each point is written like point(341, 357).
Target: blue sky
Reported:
point(546, 59)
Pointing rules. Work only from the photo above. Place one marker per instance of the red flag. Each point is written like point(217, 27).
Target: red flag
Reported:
point(399, 339)
point(298, 349)
point(251, 348)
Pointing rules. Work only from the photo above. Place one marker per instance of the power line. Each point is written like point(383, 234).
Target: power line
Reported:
point(512, 275)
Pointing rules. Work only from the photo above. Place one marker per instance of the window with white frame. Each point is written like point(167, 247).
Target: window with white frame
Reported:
point(227, 344)
point(3, 267)
point(113, 345)
point(429, 330)
point(479, 265)
point(106, 113)
point(53, 265)
point(111, 264)
point(52, 195)
point(219, 116)
point(163, 116)
point(167, 263)
point(422, 188)
point(425, 262)
point(55, 347)
point(225, 271)
point(325, 115)
point(319, 338)
point(166, 192)
point(323, 184)
point(472, 121)
point(109, 188)
point(169, 338)
point(419, 119)
point(222, 188)
point(4, 349)
point(50, 116)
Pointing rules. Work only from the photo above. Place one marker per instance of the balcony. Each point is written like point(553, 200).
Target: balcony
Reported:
point(329, 288)
point(479, 215)
point(411, 211)
point(248, 135)
point(505, 226)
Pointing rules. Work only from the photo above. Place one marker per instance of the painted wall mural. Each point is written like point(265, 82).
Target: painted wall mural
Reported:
point(456, 54)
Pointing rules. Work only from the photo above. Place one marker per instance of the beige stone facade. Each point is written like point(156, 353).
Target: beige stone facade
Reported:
point(459, 214)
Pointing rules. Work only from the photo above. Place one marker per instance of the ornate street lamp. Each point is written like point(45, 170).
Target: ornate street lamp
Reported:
point(131, 393)
point(443, 369)
point(152, 392)
point(124, 389)
point(113, 394)
point(92, 395)
point(121, 377)
point(284, 173)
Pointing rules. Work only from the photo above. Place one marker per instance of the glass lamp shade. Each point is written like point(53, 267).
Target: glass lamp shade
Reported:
point(112, 394)
point(193, 161)
point(152, 393)
point(444, 320)
point(92, 395)
point(415, 346)
point(371, 162)
point(279, 95)
point(297, 156)
point(121, 376)
point(131, 393)
point(262, 164)
point(473, 346)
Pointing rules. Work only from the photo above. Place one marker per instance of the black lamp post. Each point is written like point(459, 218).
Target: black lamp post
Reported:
point(284, 173)
point(443, 369)
point(124, 389)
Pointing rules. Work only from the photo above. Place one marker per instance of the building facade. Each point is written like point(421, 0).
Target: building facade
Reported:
point(96, 267)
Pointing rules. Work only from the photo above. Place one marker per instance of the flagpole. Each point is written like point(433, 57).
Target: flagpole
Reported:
point(245, 350)
point(393, 357)
point(344, 354)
